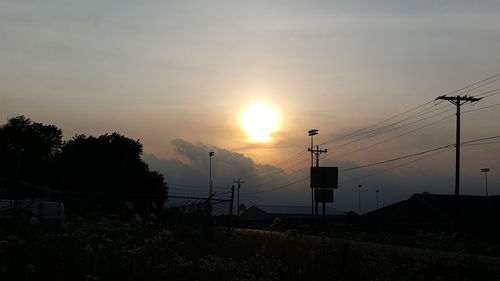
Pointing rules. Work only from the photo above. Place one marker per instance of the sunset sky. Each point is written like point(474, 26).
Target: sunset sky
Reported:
point(179, 75)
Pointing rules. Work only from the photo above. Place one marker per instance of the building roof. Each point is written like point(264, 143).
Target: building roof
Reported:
point(467, 213)
point(295, 210)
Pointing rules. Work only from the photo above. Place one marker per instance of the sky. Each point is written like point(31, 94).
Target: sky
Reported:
point(178, 75)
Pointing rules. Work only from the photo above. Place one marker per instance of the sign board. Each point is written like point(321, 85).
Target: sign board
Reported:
point(324, 177)
point(323, 195)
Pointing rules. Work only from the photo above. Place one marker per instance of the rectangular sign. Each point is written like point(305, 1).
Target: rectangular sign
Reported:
point(323, 195)
point(324, 177)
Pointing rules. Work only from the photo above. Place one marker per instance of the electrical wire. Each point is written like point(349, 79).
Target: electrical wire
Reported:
point(394, 137)
point(395, 167)
point(393, 129)
point(375, 124)
point(277, 188)
point(200, 186)
point(438, 149)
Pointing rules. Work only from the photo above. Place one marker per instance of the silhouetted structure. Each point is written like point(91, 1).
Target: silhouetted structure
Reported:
point(473, 215)
point(289, 216)
point(50, 214)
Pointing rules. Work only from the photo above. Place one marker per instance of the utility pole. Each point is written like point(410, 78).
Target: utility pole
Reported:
point(239, 182)
point(317, 152)
point(210, 154)
point(458, 101)
point(231, 204)
point(359, 198)
point(485, 171)
point(377, 191)
point(312, 133)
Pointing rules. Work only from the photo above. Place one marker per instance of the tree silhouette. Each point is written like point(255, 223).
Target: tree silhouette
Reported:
point(27, 150)
point(103, 171)
point(110, 166)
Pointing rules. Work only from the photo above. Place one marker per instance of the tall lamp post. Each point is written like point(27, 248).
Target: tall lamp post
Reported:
point(485, 171)
point(210, 154)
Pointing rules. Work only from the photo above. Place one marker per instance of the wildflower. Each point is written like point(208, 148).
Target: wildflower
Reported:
point(31, 268)
point(128, 205)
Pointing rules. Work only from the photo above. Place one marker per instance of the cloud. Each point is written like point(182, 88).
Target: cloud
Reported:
point(268, 184)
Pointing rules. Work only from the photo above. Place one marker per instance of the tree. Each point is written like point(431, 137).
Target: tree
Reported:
point(110, 167)
point(27, 150)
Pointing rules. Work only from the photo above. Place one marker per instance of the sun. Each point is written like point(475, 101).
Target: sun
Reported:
point(259, 120)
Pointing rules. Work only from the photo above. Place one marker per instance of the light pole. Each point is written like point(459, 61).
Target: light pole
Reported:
point(210, 154)
point(377, 191)
point(312, 133)
point(359, 198)
point(485, 171)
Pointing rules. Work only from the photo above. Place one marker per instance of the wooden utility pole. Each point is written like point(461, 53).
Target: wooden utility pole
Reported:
point(231, 204)
point(312, 133)
point(458, 101)
point(239, 182)
point(317, 152)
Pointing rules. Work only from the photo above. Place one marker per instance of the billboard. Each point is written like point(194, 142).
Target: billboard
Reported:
point(323, 195)
point(324, 177)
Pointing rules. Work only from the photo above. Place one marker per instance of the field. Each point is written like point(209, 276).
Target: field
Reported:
point(111, 249)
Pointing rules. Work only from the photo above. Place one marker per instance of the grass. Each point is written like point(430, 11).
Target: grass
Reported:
point(110, 249)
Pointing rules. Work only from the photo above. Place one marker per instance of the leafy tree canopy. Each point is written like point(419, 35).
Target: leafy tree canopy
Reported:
point(110, 164)
point(27, 148)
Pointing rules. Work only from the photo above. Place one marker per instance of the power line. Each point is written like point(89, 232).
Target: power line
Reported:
point(395, 167)
point(481, 108)
point(355, 133)
point(200, 186)
point(476, 83)
point(482, 139)
point(440, 149)
point(406, 133)
point(395, 159)
point(396, 128)
point(421, 113)
point(294, 160)
point(483, 143)
point(416, 154)
point(278, 187)
point(394, 137)
point(492, 93)
point(415, 160)
point(378, 123)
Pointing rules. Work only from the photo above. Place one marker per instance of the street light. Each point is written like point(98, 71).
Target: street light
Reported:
point(485, 171)
point(210, 154)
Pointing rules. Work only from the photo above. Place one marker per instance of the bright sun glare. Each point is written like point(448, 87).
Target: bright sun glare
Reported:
point(258, 121)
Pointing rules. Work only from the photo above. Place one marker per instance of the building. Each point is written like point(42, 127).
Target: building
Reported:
point(50, 214)
point(262, 216)
point(473, 215)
